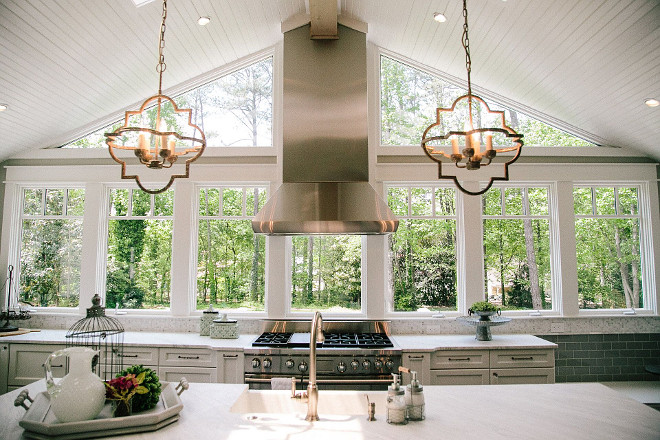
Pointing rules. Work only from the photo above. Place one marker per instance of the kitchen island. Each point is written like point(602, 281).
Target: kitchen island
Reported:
point(551, 411)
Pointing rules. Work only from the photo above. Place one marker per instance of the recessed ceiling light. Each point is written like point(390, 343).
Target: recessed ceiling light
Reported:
point(203, 21)
point(652, 102)
point(3, 107)
point(439, 17)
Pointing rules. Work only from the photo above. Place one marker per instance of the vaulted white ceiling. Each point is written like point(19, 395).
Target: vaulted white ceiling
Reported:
point(66, 65)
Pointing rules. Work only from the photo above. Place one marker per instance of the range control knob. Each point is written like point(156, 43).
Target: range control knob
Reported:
point(341, 367)
point(378, 364)
point(389, 364)
point(289, 363)
point(366, 364)
point(268, 363)
point(256, 363)
point(302, 367)
point(355, 364)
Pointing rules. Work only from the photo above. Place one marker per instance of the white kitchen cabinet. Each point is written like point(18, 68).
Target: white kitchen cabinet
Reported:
point(462, 376)
point(4, 367)
point(147, 356)
point(192, 374)
point(492, 366)
point(186, 357)
point(419, 362)
point(509, 376)
point(26, 363)
point(230, 366)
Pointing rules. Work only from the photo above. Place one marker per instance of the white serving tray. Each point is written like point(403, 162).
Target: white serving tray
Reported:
point(39, 422)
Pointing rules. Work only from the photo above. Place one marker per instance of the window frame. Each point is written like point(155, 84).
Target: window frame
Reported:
point(456, 217)
point(645, 245)
point(194, 234)
point(553, 243)
point(15, 245)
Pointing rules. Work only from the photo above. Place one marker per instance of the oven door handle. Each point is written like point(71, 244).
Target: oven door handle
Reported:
point(248, 379)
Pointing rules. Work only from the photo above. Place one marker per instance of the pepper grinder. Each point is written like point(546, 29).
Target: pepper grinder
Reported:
point(396, 402)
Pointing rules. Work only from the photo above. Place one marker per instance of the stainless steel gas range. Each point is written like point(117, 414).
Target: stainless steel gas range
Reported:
point(356, 355)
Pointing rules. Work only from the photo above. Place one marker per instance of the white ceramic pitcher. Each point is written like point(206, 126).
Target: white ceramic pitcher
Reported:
point(80, 395)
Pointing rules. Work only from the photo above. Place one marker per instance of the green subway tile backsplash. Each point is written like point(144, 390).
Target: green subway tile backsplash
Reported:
point(605, 357)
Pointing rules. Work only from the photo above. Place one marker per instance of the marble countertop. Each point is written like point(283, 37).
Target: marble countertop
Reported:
point(508, 412)
point(408, 343)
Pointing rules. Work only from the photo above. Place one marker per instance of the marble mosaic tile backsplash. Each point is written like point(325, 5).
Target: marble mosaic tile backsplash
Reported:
point(429, 326)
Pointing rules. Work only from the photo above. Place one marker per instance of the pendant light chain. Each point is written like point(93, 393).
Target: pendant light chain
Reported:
point(160, 68)
point(468, 61)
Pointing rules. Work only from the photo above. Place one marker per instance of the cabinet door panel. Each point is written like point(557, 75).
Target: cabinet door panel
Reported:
point(419, 362)
point(192, 374)
point(506, 376)
point(452, 359)
point(466, 376)
point(26, 363)
point(522, 358)
point(186, 357)
point(230, 367)
point(146, 356)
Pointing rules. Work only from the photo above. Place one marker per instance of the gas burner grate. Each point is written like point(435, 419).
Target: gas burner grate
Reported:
point(272, 339)
point(362, 340)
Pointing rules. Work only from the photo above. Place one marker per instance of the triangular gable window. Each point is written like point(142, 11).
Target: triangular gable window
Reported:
point(409, 98)
point(235, 110)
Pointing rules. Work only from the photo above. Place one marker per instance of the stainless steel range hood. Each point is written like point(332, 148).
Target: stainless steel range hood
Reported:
point(325, 187)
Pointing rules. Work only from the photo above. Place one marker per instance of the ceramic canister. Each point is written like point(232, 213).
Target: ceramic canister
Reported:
point(207, 318)
point(224, 328)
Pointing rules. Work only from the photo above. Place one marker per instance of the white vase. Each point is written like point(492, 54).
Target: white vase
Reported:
point(80, 395)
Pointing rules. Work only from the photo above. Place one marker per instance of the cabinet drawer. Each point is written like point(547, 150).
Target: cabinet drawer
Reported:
point(465, 376)
point(522, 358)
point(26, 363)
point(139, 356)
point(460, 359)
point(186, 357)
point(192, 374)
point(506, 376)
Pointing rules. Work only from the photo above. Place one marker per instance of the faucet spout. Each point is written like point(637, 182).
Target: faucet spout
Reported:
point(316, 335)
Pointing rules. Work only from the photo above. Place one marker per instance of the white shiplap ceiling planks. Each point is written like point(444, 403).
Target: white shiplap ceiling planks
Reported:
point(66, 66)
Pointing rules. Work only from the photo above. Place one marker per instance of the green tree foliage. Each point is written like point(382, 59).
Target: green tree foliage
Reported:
point(608, 247)
point(51, 242)
point(409, 98)
point(423, 250)
point(517, 247)
point(326, 272)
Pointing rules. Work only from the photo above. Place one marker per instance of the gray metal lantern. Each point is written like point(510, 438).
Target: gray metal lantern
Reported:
point(102, 333)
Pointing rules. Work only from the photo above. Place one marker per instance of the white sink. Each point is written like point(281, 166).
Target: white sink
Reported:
point(330, 403)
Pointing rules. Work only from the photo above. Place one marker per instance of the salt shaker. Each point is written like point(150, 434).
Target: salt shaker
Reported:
point(415, 398)
point(396, 403)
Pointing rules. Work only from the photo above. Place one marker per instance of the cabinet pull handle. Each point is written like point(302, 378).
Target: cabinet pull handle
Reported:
point(54, 366)
point(459, 359)
point(528, 358)
point(415, 357)
point(229, 355)
point(127, 355)
point(187, 357)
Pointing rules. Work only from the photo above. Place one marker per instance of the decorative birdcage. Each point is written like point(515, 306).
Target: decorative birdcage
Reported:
point(102, 333)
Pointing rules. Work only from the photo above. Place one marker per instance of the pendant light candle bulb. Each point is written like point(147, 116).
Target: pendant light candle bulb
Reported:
point(476, 144)
point(163, 138)
point(489, 142)
point(454, 145)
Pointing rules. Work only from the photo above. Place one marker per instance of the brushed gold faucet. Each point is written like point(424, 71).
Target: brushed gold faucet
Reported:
point(312, 391)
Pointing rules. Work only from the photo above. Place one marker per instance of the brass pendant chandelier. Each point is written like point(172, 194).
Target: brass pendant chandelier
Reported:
point(470, 110)
point(145, 131)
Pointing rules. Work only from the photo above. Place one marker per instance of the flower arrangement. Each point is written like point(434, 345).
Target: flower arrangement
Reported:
point(122, 389)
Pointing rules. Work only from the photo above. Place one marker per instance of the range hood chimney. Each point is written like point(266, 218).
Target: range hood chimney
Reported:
point(325, 187)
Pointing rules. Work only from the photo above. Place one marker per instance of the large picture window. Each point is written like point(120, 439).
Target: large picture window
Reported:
point(235, 110)
point(50, 247)
point(516, 223)
point(409, 98)
point(139, 249)
point(423, 249)
point(231, 257)
point(607, 230)
point(326, 273)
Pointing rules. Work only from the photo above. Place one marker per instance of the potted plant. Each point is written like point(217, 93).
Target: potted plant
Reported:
point(484, 310)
